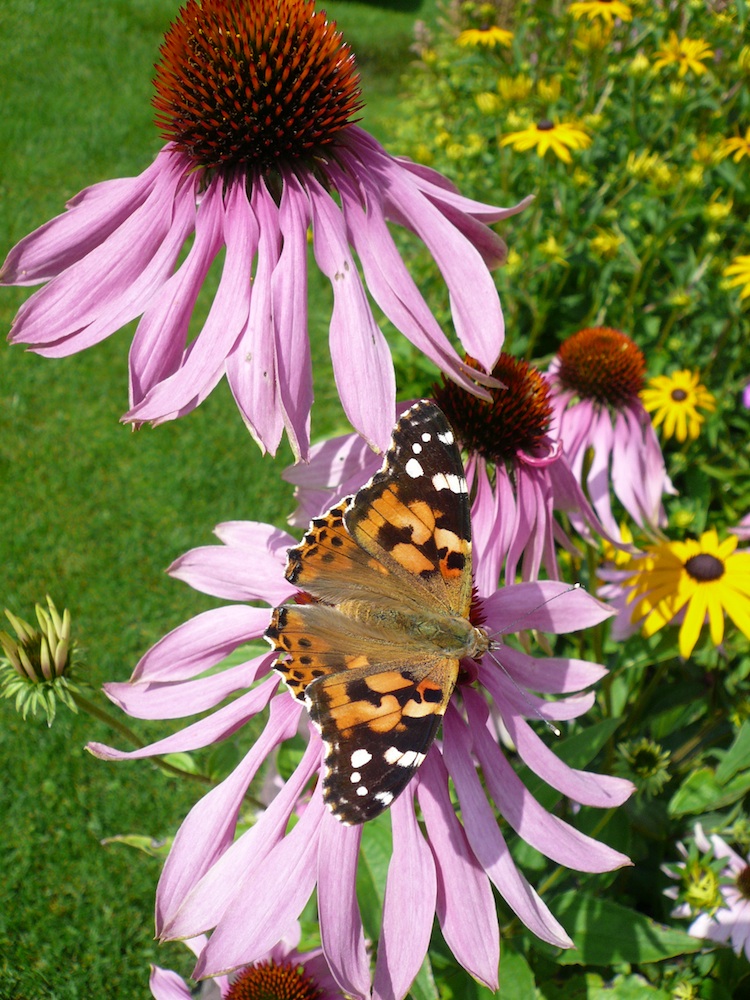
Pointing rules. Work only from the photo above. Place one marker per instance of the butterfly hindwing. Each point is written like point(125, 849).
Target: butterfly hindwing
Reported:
point(377, 728)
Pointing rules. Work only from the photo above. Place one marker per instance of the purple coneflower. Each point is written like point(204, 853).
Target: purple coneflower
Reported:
point(283, 972)
point(256, 99)
point(596, 378)
point(517, 474)
point(251, 888)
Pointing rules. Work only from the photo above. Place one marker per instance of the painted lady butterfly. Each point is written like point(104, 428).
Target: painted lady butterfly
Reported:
point(376, 657)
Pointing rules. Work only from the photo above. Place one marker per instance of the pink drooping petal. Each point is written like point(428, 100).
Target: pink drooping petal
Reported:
point(340, 921)
point(549, 606)
point(475, 305)
point(408, 908)
point(90, 218)
point(200, 643)
point(175, 701)
point(549, 834)
point(248, 567)
point(213, 729)
point(279, 893)
point(113, 283)
point(550, 674)
point(389, 281)
point(159, 342)
point(359, 351)
point(487, 841)
point(167, 985)
point(289, 293)
point(252, 363)
point(203, 362)
point(493, 516)
point(241, 870)
point(465, 907)
point(210, 826)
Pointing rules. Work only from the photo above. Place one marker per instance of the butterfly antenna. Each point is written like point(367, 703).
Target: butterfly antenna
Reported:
point(524, 694)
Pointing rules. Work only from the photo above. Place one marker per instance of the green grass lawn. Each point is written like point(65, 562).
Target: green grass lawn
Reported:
point(92, 513)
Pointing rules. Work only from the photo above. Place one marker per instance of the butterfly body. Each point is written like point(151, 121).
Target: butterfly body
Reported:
point(376, 657)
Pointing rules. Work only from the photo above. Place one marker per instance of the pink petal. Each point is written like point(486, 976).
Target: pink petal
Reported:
point(547, 833)
point(340, 921)
point(276, 898)
point(167, 985)
point(465, 906)
point(200, 643)
point(91, 217)
point(176, 700)
point(209, 828)
point(408, 908)
point(289, 292)
point(551, 674)
point(252, 363)
point(114, 282)
point(214, 728)
point(359, 351)
point(549, 606)
point(486, 840)
point(241, 870)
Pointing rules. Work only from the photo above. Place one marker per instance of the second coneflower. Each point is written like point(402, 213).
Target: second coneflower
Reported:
point(257, 101)
point(596, 379)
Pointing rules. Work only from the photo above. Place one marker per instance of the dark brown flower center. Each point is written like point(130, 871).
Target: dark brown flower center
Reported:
point(268, 981)
point(743, 882)
point(515, 419)
point(545, 125)
point(679, 395)
point(602, 364)
point(704, 567)
point(253, 81)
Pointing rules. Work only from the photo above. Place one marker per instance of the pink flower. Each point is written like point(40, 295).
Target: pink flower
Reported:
point(248, 889)
point(283, 970)
point(261, 147)
point(595, 380)
point(730, 922)
point(518, 475)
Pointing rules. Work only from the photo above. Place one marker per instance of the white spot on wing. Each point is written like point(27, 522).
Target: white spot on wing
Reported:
point(360, 757)
point(385, 797)
point(362, 790)
point(416, 447)
point(449, 481)
point(414, 469)
point(426, 436)
point(355, 777)
point(392, 755)
point(446, 438)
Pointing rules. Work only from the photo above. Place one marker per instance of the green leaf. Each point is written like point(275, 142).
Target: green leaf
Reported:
point(424, 987)
point(516, 978)
point(737, 757)
point(154, 848)
point(606, 933)
point(701, 792)
point(628, 988)
point(375, 855)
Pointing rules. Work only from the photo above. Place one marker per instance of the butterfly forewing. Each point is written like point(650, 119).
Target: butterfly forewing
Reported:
point(376, 658)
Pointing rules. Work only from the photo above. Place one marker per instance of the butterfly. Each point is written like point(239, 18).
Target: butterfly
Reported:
point(375, 656)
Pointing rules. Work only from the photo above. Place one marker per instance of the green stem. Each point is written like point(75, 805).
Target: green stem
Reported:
point(92, 709)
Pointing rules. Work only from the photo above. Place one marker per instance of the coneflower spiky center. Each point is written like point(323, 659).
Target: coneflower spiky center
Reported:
point(253, 82)
point(602, 364)
point(516, 418)
point(269, 981)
